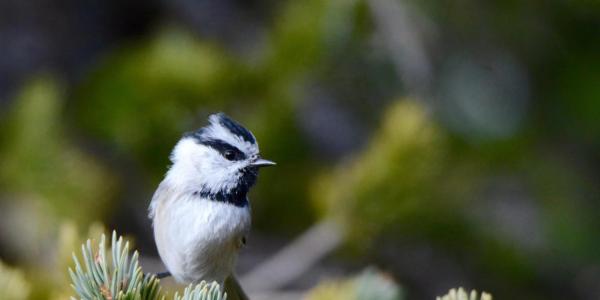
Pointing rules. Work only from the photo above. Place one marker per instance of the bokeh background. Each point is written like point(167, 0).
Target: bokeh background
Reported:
point(441, 143)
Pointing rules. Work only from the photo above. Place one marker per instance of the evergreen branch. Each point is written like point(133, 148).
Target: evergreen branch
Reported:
point(117, 275)
point(202, 291)
point(461, 294)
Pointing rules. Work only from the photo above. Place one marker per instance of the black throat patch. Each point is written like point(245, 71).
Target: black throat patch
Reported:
point(236, 199)
point(237, 196)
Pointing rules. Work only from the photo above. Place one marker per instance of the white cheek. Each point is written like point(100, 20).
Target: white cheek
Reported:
point(196, 166)
point(220, 174)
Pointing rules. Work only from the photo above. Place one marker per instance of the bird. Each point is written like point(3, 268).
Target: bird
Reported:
point(200, 211)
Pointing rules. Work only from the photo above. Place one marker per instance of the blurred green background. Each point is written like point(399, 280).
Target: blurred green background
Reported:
point(454, 143)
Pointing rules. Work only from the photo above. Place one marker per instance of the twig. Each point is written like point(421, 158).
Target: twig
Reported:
point(294, 259)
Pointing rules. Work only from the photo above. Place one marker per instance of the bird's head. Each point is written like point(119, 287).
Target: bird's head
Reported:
point(220, 160)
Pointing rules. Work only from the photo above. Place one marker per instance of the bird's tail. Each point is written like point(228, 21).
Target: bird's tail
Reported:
point(234, 289)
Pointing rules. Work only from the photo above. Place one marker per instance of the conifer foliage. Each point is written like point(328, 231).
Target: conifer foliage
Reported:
point(115, 274)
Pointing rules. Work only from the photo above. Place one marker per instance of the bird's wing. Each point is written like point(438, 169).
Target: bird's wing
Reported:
point(163, 193)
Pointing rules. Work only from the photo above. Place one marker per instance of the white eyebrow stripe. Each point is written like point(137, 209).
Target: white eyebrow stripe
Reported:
point(216, 131)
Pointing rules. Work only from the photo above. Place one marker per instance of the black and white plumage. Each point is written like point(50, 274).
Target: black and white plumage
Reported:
point(200, 211)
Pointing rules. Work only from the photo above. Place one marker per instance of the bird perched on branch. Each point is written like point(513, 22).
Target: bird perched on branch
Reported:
point(200, 211)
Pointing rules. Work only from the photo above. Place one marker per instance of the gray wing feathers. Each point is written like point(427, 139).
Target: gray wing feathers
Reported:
point(162, 194)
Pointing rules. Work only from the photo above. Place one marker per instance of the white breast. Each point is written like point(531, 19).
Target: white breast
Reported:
point(198, 239)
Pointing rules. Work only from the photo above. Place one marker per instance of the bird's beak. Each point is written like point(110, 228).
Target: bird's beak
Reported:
point(261, 162)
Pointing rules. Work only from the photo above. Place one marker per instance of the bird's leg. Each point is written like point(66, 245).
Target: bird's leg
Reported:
point(162, 275)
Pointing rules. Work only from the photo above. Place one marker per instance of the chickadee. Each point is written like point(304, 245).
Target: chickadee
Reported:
point(200, 211)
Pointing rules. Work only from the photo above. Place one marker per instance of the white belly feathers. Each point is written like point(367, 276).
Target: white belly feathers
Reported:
point(198, 239)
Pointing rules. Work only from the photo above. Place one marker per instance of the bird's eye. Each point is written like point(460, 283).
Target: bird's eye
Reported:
point(229, 155)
